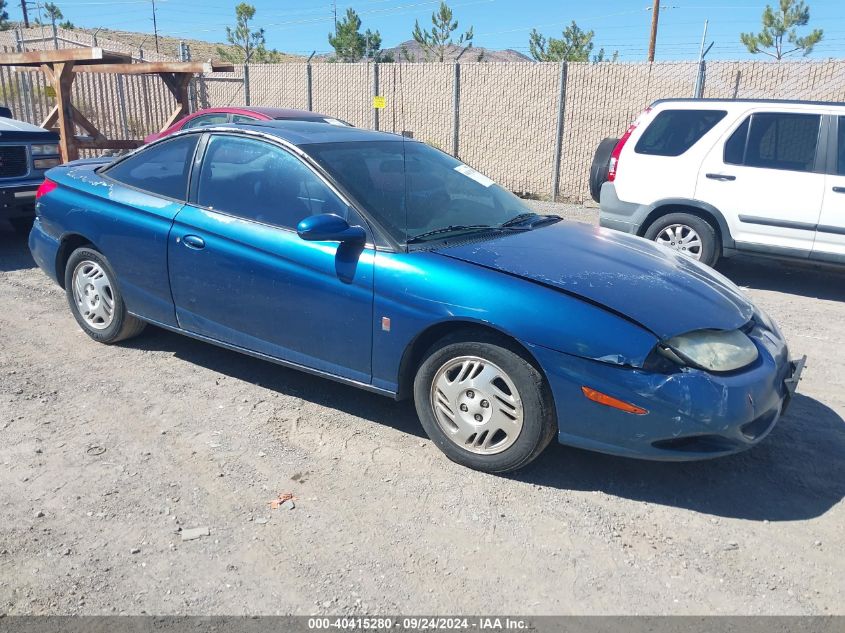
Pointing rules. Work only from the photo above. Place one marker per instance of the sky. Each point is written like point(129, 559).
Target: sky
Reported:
point(300, 26)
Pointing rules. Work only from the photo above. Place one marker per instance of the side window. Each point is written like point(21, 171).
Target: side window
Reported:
point(840, 162)
point(672, 132)
point(735, 145)
point(207, 119)
point(242, 118)
point(783, 141)
point(256, 180)
point(160, 169)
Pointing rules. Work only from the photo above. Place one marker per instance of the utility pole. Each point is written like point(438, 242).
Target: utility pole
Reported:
point(25, 15)
point(155, 27)
point(655, 16)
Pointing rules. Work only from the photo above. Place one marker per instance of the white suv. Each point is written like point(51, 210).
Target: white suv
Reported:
point(712, 178)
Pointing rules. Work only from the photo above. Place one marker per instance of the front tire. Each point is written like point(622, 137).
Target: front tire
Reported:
point(483, 403)
point(95, 300)
point(688, 234)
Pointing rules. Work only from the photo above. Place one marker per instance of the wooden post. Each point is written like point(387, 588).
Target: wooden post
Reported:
point(60, 67)
point(655, 18)
point(62, 82)
point(178, 86)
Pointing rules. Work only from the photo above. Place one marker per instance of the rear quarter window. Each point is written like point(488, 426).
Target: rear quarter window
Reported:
point(161, 169)
point(672, 132)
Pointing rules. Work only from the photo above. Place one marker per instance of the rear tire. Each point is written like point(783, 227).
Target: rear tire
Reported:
point(679, 231)
point(483, 403)
point(600, 166)
point(93, 295)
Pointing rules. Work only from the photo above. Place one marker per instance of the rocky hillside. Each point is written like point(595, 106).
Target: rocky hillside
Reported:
point(474, 54)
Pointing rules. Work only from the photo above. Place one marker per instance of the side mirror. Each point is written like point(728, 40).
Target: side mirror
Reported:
point(328, 227)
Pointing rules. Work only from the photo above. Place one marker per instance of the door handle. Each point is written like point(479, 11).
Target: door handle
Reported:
point(193, 241)
point(839, 190)
point(720, 177)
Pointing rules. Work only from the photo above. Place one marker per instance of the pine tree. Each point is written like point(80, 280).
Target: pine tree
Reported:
point(779, 24)
point(436, 43)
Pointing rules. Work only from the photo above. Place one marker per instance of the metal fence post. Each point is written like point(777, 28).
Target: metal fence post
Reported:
point(561, 110)
point(246, 84)
point(456, 109)
point(185, 56)
point(309, 104)
point(375, 94)
point(699, 80)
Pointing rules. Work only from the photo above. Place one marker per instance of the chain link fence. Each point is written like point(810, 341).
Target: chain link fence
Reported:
point(531, 127)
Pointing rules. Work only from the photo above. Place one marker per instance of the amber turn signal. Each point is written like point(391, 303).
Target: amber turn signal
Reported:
point(610, 401)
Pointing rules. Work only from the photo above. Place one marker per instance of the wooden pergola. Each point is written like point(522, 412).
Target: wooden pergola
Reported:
point(60, 68)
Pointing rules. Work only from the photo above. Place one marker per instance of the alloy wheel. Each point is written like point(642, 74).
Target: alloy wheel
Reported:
point(681, 238)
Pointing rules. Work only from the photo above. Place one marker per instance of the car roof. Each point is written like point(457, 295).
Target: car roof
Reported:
point(312, 132)
point(273, 113)
point(285, 113)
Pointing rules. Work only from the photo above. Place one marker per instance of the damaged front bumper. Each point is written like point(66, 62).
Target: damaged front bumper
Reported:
point(692, 414)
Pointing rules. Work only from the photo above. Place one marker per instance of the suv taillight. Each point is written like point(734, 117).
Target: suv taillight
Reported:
point(46, 187)
point(613, 166)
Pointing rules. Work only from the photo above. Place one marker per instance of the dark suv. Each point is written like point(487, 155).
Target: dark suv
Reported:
point(26, 152)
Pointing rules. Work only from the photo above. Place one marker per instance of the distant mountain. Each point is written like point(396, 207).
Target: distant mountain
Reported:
point(474, 54)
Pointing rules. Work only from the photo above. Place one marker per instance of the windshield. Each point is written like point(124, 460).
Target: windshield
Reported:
point(416, 192)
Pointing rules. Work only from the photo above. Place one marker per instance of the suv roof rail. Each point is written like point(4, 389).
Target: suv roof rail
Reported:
point(772, 101)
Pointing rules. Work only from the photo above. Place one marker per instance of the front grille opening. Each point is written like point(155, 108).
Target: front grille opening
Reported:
point(13, 161)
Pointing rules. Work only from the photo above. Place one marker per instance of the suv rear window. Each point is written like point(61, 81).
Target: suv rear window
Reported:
point(674, 131)
point(775, 140)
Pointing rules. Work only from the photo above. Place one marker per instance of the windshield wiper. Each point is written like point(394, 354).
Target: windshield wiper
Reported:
point(452, 228)
point(523, 217)
point(519, 219)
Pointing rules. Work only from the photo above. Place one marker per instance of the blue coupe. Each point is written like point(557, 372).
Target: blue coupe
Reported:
point(381, 262)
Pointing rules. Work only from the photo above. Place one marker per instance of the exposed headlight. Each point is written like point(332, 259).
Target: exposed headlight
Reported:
point(713, 350)
point(47, 149)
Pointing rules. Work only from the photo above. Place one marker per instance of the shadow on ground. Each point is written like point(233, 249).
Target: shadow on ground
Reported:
point(322, 391)
point(798, 472)
point(796, 278)
point(14, 252)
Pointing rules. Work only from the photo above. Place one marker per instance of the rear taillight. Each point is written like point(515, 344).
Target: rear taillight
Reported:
point(46, 187)
point(613, 166)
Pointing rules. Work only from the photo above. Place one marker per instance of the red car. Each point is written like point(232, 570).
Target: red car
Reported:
point(216, 116)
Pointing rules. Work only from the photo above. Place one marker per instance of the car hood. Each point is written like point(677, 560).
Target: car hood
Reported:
point(664, 291)
point(13, 130)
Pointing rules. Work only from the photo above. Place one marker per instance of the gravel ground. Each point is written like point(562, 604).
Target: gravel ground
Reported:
point(109, 455)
